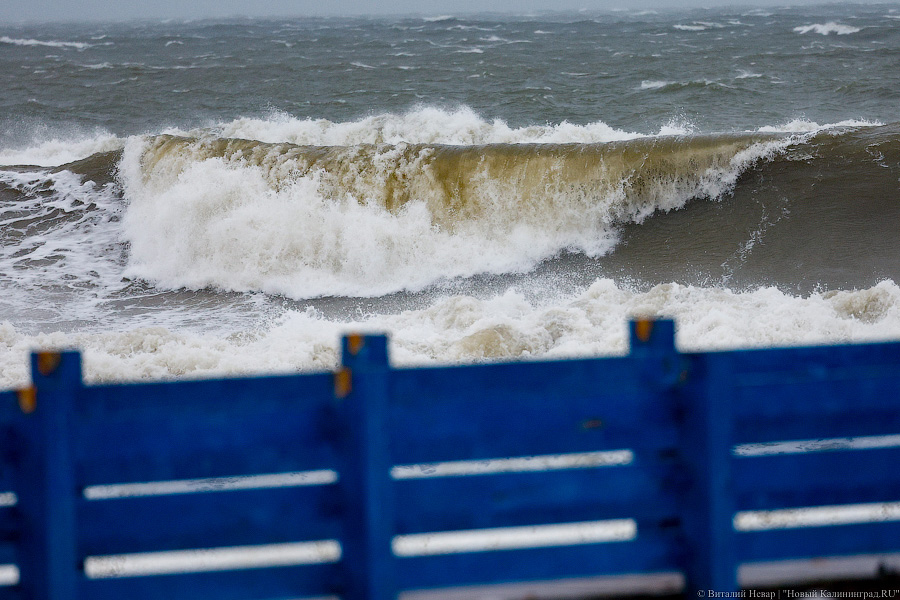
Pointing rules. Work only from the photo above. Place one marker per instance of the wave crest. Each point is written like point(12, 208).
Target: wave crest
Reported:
point(426, 125)
point(827, 28)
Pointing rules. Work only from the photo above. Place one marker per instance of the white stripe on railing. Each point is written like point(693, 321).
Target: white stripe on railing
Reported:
point(212, 559)
point(817, 516)
point(9, 575)
point(818, 445)
point(216, 484)
point(509, 538)
point(548, 462)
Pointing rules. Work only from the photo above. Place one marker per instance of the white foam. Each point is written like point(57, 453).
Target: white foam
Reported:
point(50, 149)
point(694, 27)
point(51, 43)
point(805, 126)
point(62, 245)
point(460, 329)
point(827, 28)
point(424, 125)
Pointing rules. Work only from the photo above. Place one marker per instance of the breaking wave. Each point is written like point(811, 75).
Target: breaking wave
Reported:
point(370, 219)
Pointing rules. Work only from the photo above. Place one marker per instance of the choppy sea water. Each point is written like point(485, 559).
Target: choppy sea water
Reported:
point(184, 199)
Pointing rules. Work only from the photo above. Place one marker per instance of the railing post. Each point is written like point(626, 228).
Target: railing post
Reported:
point(45, 479)
point(361, 390)
point(653, 345)
point(697, 389)
point(707, 511)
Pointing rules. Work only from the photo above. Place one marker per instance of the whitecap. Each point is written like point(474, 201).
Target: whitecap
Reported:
point(694, 27)
point(827, 29)
point(51, 43)
point(805, 126)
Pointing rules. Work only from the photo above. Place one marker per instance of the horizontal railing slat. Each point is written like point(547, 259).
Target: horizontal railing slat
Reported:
point(209, 395)
point(815, 478)
point(807, 425)
point(201, 429)
point(767, 364)
point(10, 415)
point(762, 500)
point(8, 553)
point(518, 499)
point(495, 411)
point(814, 542)
point(205, 520)
point(12, 593)
point(812, 409)
point(645, 554)
point(278, 582)
point(9, 406)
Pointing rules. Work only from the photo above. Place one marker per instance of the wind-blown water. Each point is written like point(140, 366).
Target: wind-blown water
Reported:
point(186, 199)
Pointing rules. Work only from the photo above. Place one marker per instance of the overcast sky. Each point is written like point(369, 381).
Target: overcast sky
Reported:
point(12, 11)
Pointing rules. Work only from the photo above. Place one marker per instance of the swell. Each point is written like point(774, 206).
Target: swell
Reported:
point(820, 215)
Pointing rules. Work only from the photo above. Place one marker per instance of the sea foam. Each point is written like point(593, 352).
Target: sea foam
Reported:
point(466, 329)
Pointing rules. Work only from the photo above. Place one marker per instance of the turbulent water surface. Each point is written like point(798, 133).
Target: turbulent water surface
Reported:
point(185, 199)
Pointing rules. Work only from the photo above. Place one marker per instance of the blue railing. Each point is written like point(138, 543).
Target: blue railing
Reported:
point(373, 480)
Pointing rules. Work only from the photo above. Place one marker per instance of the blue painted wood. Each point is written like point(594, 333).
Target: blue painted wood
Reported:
point(466, 414)
point(9, 405)
point(365, 483)
point(818, 407)
point(8, 552)
point(708, 505)
point(12, 593)
point(281, 583)
point(817, 478)
point(858, 421)
point(651, 552)
point(832, 495)
point(45, 482)
point(812, 542)
point(653, 355)
point(520, 499)
point(800, 364)
point(208, 520)
point(188, 430)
